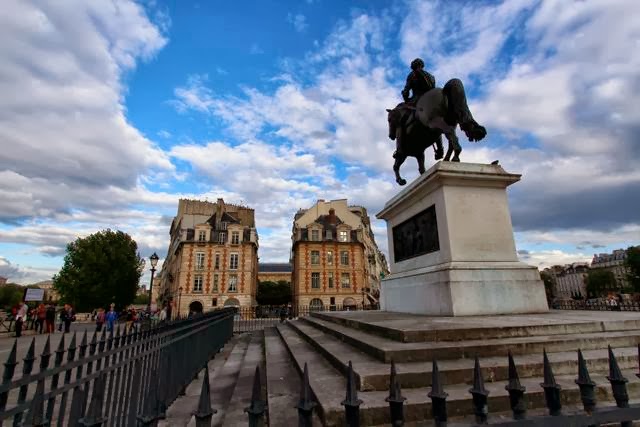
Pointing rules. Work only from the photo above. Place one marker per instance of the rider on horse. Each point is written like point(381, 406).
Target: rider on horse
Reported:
point(418, 83)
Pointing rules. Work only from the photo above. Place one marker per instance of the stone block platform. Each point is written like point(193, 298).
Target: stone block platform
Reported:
point(370, 340)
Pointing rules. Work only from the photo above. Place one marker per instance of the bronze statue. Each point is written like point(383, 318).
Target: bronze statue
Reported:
point(420, 121)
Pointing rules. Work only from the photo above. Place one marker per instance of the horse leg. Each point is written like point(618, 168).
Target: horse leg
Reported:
point(396, 169)
point(454, 146)
point(439, 150)
point(420, 159)
point(458, 111)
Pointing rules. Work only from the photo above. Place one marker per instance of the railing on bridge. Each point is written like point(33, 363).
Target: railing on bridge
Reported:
point(256, 318)
point(596, 305)
point(124, 379)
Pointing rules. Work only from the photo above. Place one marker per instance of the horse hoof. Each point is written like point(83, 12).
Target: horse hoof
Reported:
point(401, 181)
point(455, 159)
point(421, 171)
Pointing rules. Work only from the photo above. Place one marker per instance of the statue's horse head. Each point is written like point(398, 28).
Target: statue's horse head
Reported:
point(393, 117)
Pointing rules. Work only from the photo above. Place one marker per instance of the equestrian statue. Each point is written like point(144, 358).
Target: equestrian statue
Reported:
point(423, 117)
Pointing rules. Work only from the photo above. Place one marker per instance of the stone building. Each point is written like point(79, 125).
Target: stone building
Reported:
point(212, 259)
point(274, 272)
point(569, 280)
point(50, 294)
point(3, 280)
point(613, 262)
point(335, 259)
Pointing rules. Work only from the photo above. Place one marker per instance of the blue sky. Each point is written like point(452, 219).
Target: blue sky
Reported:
point(113, 110)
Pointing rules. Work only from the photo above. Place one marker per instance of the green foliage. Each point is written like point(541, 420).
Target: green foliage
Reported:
point(633, 266)
point(141, 299)
point(274, 293)
point(548, 284)
point(10, 295)
point(600, 281)
point(99, 269)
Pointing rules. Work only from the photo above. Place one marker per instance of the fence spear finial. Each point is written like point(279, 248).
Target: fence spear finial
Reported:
point(618, 382)
point(205, 412)
point(516, 392)
point(480, 394)
point(438, 397)
point(395, 399)
point(587, 387)
point(551, 388)
point(351, 402)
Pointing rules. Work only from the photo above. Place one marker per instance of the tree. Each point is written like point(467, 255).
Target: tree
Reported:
point(10, 295)
point(102, 268)
point(548, 285)
point(141, 299)
point(274, 293)
point(632, 262)
point(600, 281)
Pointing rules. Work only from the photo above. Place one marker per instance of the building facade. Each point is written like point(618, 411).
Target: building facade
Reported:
point(569, 281)
point(274, 272)
point(50, 294)
point(335, 259)
point(3, 280)
point(613, 262)
point(212, 259)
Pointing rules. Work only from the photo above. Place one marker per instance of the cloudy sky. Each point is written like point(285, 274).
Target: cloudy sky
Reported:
point(111, 110)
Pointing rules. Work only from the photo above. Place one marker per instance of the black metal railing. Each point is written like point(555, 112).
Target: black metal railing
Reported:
point(125, 378)
point(622, 413)
point(248, 319)
point(596, 305)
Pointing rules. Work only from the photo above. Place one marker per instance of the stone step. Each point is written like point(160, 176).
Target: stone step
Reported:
point(283, 381)
point(374, 374)
point(235, 415)
point(223, 372)
point(414, 328)
point(328, 386)
point(385, 349)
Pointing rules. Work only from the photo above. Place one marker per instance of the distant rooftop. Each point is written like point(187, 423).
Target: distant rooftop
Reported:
point(274, 267)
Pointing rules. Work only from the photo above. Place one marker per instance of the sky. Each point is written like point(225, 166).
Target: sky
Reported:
point(112, 110)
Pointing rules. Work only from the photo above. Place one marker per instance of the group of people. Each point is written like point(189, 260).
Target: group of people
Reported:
point(44, 317)
point(131, 317)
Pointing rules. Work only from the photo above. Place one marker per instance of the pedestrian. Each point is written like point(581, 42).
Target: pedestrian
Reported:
point(100, 318)
point(41, 314)
point(62, 315)
point(50, 318)
point(283, 313)
point(67, 316)
point(111, 318)
point(162, 318)
point(130, 317)
point(21, 315)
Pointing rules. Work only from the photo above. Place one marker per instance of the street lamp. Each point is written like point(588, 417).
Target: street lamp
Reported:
point(154, 261)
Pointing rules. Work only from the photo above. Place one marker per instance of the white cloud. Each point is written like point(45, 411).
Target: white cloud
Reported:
point(299, 21)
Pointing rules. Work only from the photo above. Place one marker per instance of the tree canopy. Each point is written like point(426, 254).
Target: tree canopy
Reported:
point(632, 262)
point(600, 281)
point(274, 293)
point(99, 269)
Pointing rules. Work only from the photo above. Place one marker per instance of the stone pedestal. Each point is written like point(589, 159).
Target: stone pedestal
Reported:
point(451, 246)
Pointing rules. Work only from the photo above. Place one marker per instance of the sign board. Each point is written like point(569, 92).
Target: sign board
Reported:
point(33, 294)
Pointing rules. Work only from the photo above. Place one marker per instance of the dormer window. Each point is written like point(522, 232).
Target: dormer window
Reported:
point(202, 236)
point(343, 236)
point(315, 235)
point(223, 225)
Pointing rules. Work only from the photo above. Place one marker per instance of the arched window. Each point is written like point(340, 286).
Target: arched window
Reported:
point(315, 304)
point(231, 302)
point(349, 302)
point(195, 307)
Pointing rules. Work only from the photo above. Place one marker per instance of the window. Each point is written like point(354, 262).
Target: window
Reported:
point(343, 236)
point(328, 235)
point(315, 257)
point(332, 301)
point(215, 283)
point(217, 263)
point(197, 283)
point(202, 236)
point(222, 237)
point(345, 281)
point(315, 280)
point(235, 237)
point(199, 260)
point(329, 257)
point(214, 302)
point(344, 257)
point(330, 279)
point(233, 262)
point(315, 235)
point(233, 283)
point(223, 225)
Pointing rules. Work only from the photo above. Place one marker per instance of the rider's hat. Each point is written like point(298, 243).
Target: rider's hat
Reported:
point(417, 63)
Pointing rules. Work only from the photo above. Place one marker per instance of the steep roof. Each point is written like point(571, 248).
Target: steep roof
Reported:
point(274, 267)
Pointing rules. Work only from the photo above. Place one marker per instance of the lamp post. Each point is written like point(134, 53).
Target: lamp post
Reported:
point(154, 261)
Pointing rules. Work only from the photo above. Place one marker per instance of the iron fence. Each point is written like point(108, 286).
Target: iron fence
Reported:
point(248, 319)
point(596, 305)
point(124, 379)
point(622, 413)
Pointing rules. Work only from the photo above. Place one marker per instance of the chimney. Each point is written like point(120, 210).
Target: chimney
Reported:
point(332, 219)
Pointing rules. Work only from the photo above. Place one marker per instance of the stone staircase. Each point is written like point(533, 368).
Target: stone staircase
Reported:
point(326, 342)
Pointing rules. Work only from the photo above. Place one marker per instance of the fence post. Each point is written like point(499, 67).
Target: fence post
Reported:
point(395, 399)
point(54, 379)
point(618, 385)
point(257, 405)
point(9, 369)
point(27, 367)
point(480, 394)
point(35, 416)
point(205, 412)
point(305, 404)
point(71, 354)
point(94, 417)
point(587, 387)
point(516, 392)
point(351, 402)
point(438, 398)
point(45, 356)
point(551, 388)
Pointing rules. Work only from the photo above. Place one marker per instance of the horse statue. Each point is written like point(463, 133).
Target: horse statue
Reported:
point(436, 112)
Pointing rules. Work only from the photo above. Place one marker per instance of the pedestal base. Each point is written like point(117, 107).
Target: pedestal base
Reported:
point(465, 289)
